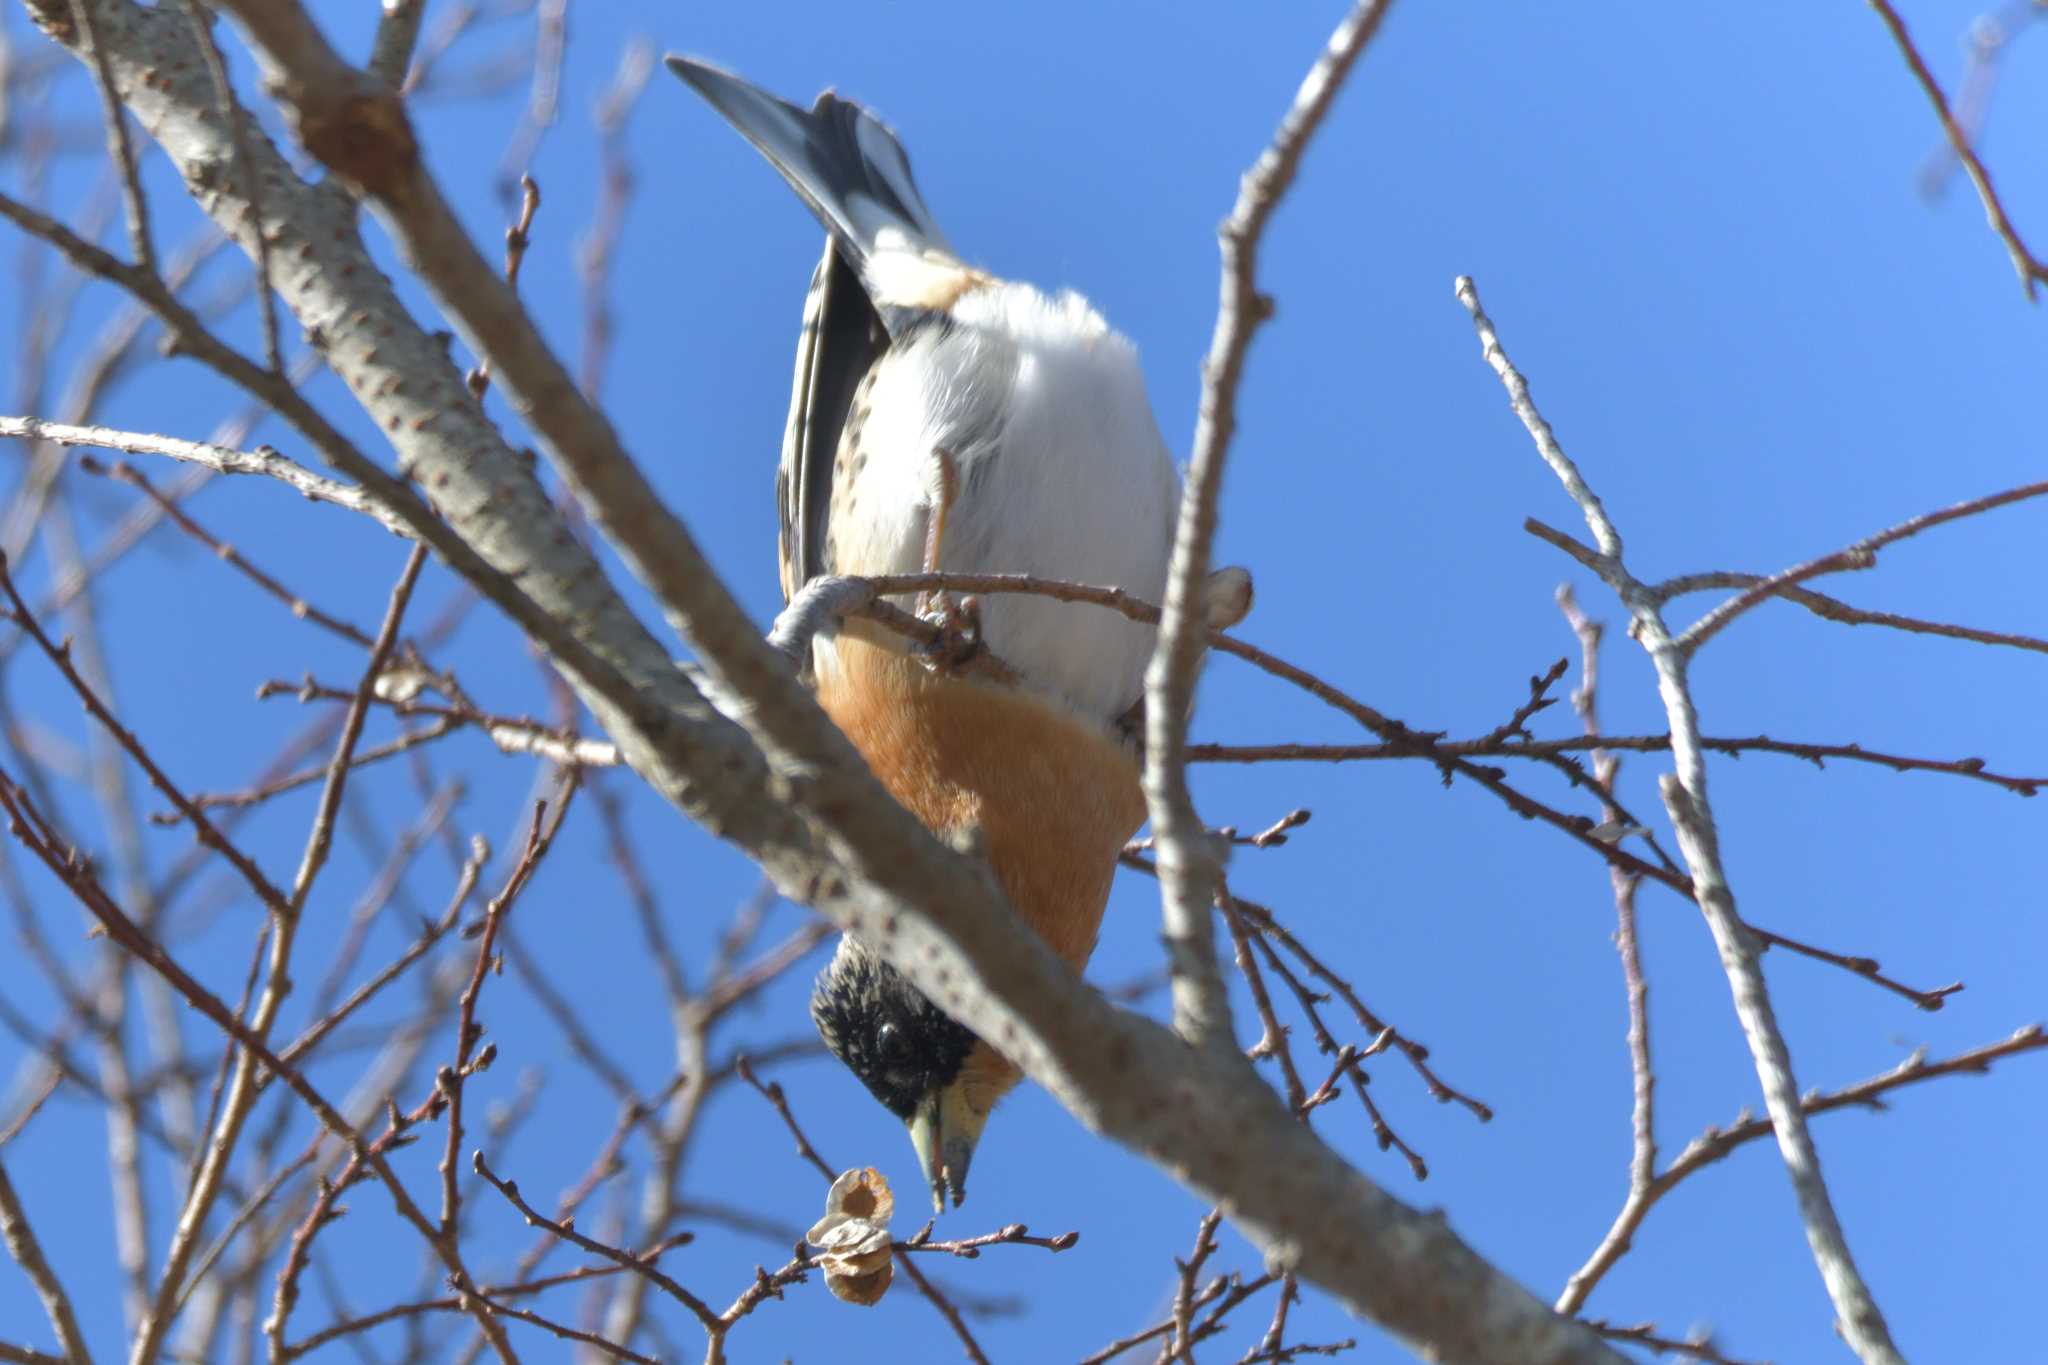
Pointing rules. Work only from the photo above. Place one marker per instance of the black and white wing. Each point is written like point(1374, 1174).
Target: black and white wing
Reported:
point(842, 338)
point(886, 266)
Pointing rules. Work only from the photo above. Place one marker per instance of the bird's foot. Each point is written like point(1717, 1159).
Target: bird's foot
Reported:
point(958, 640)
point(821, 602)
point(1227, 597)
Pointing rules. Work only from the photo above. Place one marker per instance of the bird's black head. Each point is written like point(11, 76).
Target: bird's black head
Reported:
point(911, 1057)
point(900, 1045)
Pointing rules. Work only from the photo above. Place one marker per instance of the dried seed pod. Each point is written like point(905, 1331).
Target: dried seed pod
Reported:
point(862, 1193)
point(853, 1237)
point(865, 1290)
point(859, 1262)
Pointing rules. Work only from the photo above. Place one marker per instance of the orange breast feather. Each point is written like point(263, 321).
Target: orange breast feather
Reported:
point(1054, 797)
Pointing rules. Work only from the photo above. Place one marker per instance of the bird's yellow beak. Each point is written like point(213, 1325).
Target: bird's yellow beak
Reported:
point(944, 1130)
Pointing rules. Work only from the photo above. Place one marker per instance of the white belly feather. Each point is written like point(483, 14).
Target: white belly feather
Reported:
point(1061, 473)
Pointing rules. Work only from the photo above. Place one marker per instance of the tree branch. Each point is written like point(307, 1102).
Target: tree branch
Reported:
point(28, 1254)
point(2031, 270)
point(1189, 868)
point(1685, 798)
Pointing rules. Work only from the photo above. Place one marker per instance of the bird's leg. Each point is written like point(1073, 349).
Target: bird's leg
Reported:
point(959, 624)
point(945, 488)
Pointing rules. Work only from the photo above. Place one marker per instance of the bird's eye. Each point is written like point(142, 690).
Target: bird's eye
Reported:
point(888, 1040)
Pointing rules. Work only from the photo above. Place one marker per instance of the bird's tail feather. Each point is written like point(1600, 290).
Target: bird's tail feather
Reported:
point(839, 158)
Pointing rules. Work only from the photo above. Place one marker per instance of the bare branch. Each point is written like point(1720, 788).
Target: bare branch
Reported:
point(494, 1309)
point(228, 554)
point(203, 828)
point(1816, 754)
point(1685, 798)
point(119, 144)
point(642, 1266)
point(2029, 267)
point(1861, 555)
point(28, 1254)
point(1646, 1335)
point(247, 182)
point(1833, 609)
point(221, 459)
point(1716, 1143)
point(243, 1088)
point(1189, 868)
point(33, 831)
point(1642, 1165)
point(773, 1094)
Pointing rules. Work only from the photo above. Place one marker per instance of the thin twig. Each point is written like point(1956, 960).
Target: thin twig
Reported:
point(221, 459)
point(2031, 270)
point(28, 1355)
point(430, 934)
point(642, 1266)
point(1861, 555)
point(127, 473)
point(29, 827)
point(31, 1106)
point(249, 184)
point(1716, 1143)
point(257, 794)
point(1646, 1335)
point(773, 1093)
point(28, 1254)
point(968, 1248)
point(1834, 609)
point(2019, 784)
point(244, 1087)
point(1180, 1344)
point(1273, 1038)
point(202, 827)
point(119, 144)
point(517, 239)
point(946, 1310)
point(495, 1309)
point(595, 249)
point(518, 1288)
point(1642, 1165)
point(1384, 1034)
point(320, 839)
point(451, 1080)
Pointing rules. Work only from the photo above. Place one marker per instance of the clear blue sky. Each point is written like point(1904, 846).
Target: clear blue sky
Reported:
point(1699, 232)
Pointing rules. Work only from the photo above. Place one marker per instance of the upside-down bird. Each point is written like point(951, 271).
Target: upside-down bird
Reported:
point(943, 419)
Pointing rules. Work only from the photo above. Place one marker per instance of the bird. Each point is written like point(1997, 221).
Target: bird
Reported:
point(943, 418)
